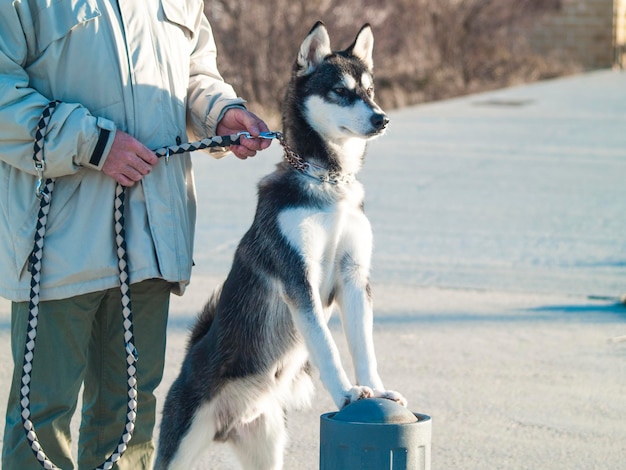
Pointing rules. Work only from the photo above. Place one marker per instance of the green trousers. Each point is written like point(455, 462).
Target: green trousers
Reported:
point(80, 343)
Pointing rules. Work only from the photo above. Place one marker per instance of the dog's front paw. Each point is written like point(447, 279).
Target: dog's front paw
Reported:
point(356, 393)
point(390, 395)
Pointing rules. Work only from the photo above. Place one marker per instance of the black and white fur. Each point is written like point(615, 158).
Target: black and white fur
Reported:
point(307, 252)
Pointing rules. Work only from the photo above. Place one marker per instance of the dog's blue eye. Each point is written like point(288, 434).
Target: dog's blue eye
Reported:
point(340, 91)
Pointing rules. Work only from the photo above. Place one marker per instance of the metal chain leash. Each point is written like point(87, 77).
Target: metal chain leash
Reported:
point(308, 168)
point(292, 157)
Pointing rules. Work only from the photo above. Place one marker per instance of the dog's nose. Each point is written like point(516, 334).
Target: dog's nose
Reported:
point(379, 120)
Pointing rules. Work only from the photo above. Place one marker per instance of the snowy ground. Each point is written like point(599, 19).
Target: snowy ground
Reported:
point(500, 250)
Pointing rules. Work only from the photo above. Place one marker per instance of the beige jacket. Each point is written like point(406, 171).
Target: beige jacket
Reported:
point(145, 67)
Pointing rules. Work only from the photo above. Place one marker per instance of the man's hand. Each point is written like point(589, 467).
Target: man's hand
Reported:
point(237, 120)
point(128, 160)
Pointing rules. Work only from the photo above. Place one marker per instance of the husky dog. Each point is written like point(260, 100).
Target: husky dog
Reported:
point(307, 251)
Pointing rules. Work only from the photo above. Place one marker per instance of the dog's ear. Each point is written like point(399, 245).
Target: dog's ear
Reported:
point(314, 49)
point(363, 46)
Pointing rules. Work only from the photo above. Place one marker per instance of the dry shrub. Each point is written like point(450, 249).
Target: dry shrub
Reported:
point(425, 49)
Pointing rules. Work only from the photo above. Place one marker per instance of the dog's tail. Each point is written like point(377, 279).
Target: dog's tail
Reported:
point(205, 319)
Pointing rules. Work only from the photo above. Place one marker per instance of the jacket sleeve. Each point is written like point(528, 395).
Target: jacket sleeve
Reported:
point(208, 95)
point(74, 137)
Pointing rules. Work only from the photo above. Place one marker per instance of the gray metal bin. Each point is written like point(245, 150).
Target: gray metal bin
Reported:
point(375, 434)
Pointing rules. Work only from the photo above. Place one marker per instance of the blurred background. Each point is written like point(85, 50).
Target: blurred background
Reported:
point(424, 50)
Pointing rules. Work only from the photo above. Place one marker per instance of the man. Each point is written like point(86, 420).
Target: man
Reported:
point(130, 76)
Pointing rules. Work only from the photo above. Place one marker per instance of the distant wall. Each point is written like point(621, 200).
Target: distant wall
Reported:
point(589, 32)
point(620, 33)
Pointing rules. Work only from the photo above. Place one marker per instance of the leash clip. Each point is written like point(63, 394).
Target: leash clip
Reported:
point(40, 166)
point(132, 352)
point(270, 135)
point(263, 135)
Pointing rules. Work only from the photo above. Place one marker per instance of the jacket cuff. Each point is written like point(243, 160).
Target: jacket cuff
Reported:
point(226, 108)
point(219, 152)
point(217, 112)
point(102, 145)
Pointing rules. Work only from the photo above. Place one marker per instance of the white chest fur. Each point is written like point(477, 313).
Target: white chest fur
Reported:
point(325, 237)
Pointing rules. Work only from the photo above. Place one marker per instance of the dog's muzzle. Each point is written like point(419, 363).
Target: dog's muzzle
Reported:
point(379, 121)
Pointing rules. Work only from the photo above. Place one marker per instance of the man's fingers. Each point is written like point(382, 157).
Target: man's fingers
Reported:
point(242, 152)
point(128, 160)
point(147, 156)
point(254, 124)
point(140, 166)
point(123, 180)
point(126, 168)
point(255, 144)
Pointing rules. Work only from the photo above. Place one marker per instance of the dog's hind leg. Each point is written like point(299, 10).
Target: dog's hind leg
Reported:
point(194, 442)
point(259, 445)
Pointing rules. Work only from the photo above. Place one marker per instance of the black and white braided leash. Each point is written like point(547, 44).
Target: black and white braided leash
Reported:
point(44, 190)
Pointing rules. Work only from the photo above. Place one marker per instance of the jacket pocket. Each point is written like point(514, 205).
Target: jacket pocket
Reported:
point(182, 14)
point(25, 218)
point(55, 21)
point(20, 221)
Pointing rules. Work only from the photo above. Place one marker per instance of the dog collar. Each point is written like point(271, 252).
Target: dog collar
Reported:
point(309, 169)
point(312, 170)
